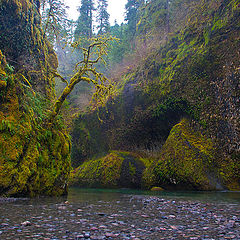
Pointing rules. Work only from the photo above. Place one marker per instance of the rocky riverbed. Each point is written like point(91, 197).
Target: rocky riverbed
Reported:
point(119, 216)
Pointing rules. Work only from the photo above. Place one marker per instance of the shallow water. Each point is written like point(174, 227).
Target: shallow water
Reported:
point(82, 195)
point(123, 214)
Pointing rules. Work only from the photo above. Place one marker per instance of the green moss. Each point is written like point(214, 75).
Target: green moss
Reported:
point(100, 172)
point(117, 169)
point(132, 169)
point(186, 161)
point(191, 80)
point(34, 155)
point(229, 170)
point(6, 125)
point(157, 189)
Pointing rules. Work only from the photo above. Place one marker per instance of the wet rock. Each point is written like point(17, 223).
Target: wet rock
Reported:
point(80, 236)
point(157, 189)
point(62, 207)
point(102, 226)
point(93, 229)
point(26, 223)
point(109, 235)
point(157, 219)
point(87, 235)
point(101, 214)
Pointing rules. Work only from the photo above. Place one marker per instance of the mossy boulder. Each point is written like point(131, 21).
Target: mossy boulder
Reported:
point(116, 170)
point(157, 189)
point(187, 161)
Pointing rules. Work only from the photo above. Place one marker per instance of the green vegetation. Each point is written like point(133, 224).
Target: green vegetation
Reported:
point(186, 161)
point(177, 103)
point(34, 144)
point(117, 169)
point(102, 17)
point(35, 155)
point(34, 159)
point(84, 69)
point(85, 21)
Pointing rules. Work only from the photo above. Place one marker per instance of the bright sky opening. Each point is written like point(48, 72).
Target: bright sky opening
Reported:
point(116, 9)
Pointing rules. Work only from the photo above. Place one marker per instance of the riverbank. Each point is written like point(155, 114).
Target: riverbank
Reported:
point(114, 215)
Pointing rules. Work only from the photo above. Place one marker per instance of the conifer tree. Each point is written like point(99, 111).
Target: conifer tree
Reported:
point(132, 8)
point(102, 17)
point(55, 23)
point(84, 26)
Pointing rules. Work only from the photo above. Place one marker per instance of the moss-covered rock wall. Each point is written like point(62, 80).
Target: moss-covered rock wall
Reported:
point(22, 42)
point(34, 153)
point(194, 76)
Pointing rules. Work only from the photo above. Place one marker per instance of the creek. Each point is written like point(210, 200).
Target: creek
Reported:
point(123, 214)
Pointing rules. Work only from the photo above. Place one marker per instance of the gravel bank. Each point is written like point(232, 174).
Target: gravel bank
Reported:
point(131, 217)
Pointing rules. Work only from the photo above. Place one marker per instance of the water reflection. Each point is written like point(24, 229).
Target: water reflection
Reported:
point(94, 195)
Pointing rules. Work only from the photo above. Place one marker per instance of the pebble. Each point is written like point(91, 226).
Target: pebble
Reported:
point(93, 228)
point(80, 236)
point(26, 223)
point(110, 235)
point(86, 235)
point(102, 226)
point(62, 207)
point(151, 218)
point(101, 214)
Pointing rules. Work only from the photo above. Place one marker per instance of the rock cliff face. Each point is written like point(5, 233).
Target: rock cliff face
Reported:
point(181, 105)
point(34, 154)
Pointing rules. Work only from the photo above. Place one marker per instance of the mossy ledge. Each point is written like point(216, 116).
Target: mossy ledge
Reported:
point(34, 154)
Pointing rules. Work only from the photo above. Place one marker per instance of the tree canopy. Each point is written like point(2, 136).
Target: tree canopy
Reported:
point(102, 17)
point(84, 25)
point(55, 22)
